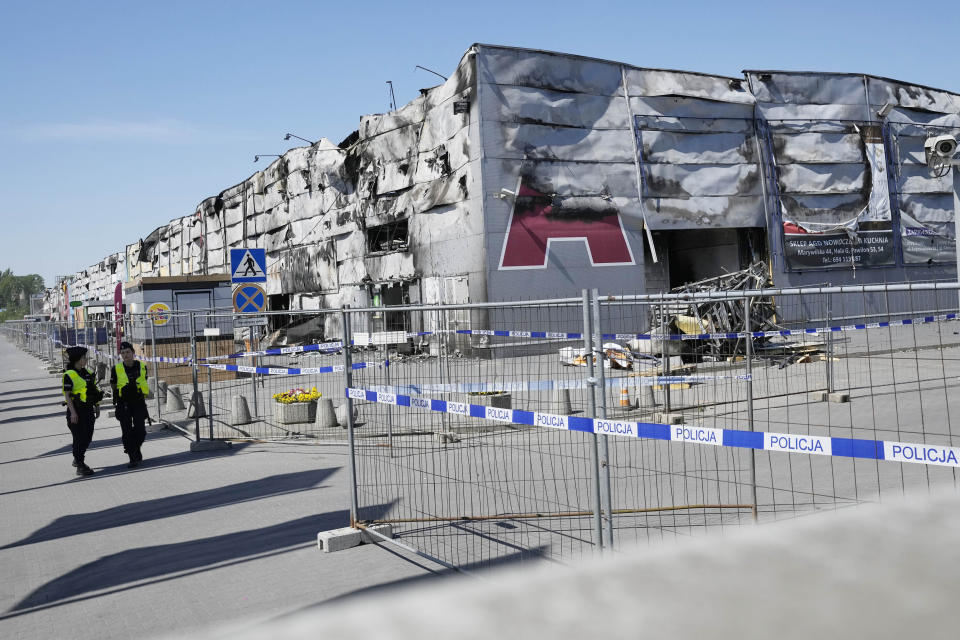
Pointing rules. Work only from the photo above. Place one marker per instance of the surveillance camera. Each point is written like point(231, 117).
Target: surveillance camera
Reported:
point(939, 148)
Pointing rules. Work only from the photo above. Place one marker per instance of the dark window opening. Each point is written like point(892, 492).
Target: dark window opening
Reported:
point(279, 302)
point(699, 254)
point(390, 295)
point(392, 236)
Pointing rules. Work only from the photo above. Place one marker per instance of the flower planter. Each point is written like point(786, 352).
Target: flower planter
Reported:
point(295, 412)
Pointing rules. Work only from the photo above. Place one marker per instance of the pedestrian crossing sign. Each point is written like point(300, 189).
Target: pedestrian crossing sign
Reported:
point(248, 265)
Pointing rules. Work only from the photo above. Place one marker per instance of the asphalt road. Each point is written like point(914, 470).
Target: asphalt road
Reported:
point(186, 541)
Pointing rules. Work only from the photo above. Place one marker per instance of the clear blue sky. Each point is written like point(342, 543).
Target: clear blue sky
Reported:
point(116, 117)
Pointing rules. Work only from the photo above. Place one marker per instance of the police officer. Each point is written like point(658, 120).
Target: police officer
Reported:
point(128, 380)
point(83, 398)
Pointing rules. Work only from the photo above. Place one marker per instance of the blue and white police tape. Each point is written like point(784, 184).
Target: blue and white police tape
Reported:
point(519, 334)
point(906, 322)
point(730, 335)
point(112, 356)
point(550, 385)
point(326, 346)
point(294, 371)
point(940, 455)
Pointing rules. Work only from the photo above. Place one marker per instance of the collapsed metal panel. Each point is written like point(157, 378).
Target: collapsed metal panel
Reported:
point(828, 165)
point(853, 186)
point(699, 163)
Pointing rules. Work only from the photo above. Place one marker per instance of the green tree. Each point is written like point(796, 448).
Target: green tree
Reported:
point(15, 292)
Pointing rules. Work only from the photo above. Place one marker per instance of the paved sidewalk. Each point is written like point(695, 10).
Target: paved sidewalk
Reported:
point(184, 541)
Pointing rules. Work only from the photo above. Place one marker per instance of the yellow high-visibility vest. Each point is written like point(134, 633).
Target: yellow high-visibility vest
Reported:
point(79, 384)
point(141, 381)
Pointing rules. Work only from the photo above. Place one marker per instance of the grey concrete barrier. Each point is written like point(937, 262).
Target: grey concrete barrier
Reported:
point(326, 414)
point(646, 396)
point(174, 399)
point(239, 411)
point(342, 415)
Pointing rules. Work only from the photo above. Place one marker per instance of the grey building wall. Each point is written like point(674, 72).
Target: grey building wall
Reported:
point(571, 158)
point(821, 130)
point(556, 133)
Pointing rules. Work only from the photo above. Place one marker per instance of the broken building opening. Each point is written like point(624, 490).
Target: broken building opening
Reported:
point(697, 254)
point(391, 295)
point(280, 302)
point(392, 236)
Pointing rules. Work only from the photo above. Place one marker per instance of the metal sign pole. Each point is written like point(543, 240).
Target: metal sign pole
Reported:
point(156, 366)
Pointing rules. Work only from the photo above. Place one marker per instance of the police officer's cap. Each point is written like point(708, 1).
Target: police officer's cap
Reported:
point(75, 353)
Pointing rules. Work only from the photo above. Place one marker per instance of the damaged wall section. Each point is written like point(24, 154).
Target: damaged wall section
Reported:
point(559, 175)
point(850, 192)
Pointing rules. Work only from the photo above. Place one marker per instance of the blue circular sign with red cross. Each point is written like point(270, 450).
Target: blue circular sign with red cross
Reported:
point(249, 298)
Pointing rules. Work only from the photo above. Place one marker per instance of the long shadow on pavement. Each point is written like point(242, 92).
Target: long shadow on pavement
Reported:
point(110, 442)
point(96, 444)
point(160, 462)
point(50, 402)
point(62, 412)
point(147, 510)
point(537, 554)
point(31, 389)
point(118, 571)
point(45, 396)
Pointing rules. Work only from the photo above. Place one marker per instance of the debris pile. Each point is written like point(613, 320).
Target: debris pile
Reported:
point(614, 356)
point(722, 315)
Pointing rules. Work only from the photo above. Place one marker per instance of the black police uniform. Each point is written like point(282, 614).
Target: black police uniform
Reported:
point(82, 431)
point(131, 411)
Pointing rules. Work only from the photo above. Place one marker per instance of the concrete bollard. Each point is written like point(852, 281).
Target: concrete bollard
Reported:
point(326, 415)
point(646, 396)
point(342, 415)
point(239, 411)
point(152, 385)
point(197, 408)
point(162, 391)
point(174, 400)
point(562, 397)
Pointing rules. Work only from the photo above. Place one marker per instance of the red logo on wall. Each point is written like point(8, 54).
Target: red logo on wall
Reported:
point(536, 222)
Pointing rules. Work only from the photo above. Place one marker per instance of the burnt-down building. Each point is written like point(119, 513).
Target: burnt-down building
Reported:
point(530, 174)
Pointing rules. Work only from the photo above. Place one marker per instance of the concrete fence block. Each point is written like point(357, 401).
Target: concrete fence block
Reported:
point(385, 530)
point(668, 418)
point(338, 539)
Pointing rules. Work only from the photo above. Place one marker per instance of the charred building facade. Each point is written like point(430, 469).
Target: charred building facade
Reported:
point(530, 174)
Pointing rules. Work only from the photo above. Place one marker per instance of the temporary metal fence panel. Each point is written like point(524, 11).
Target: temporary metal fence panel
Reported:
point(551, 429)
